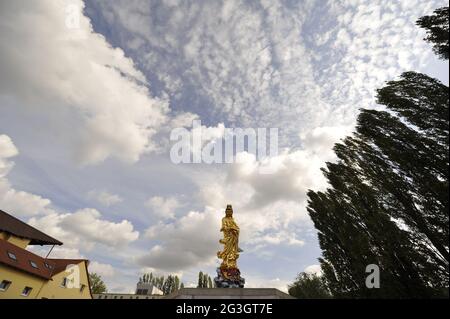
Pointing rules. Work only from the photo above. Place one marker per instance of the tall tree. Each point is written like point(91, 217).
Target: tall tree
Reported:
point(200, 280)
point(210, 282)
point(437, 27)
point(387, 203)
point(309, 286)
point(205, 280)
point(169, 285)
point(166, 285)
point(160, 282)
point(97, 284)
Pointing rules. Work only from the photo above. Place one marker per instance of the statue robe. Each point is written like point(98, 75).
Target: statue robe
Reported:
point(230, 252)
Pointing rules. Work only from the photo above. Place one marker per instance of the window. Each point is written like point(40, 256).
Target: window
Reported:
point(47, 266)
point(82, 287)
point(4, 285)
point(12, 256)
point(64, 282)
point(33, 264)
point(26, 291)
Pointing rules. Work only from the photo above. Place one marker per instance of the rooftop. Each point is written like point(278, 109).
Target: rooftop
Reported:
point(26, 261)
point(11, 225)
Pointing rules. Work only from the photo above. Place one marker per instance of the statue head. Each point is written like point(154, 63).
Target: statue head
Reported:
point(229, 211)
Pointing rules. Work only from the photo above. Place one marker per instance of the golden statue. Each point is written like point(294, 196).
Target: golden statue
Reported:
point(228, 270)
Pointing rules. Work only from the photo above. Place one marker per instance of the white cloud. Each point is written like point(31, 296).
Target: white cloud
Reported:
point(92, 94)
point(320, 140)
point(188, 241)
point(264, 282)
point(86, 228)
point(19, 203)
point(163, 207)
point(372, 42)
point(7, 147)
point(256, 68)
point(278, 238)
point(104, 270)
point(314, 269)
point(292, 174)
point(57, 252)
point(183, 120)
point(82, 228)
point(249, 67)
point(7, 150)
point(105, 198)
point(270, 209)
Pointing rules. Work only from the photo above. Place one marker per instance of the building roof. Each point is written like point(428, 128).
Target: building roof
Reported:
point(23, 259)
point(61, 264)
point(16, 227)
point(46, 268)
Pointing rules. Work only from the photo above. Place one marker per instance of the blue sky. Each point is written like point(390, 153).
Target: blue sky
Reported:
point(86, 110)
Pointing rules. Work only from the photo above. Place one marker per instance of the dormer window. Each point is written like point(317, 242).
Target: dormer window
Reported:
point(26, 291)
point(33, 264)
point(12, 256)
point(4, 285)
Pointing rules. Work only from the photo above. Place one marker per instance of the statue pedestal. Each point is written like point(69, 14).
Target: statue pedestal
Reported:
point(232, 280)
point(228, 293)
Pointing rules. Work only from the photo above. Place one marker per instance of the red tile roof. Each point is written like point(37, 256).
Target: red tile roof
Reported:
point(46, 267)
point(23, 259)
point(11, 225)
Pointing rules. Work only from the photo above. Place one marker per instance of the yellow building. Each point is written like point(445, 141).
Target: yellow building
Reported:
point(24, 274)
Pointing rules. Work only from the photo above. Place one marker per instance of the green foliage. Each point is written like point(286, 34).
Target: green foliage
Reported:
point(387, 203)
point(210, 283)
point(166, 285)
point(437, 27)
point(200, 280)
point(204, 281)
point(309, 286)
point(388, 198)
point(97, 284)
point(169, 285)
